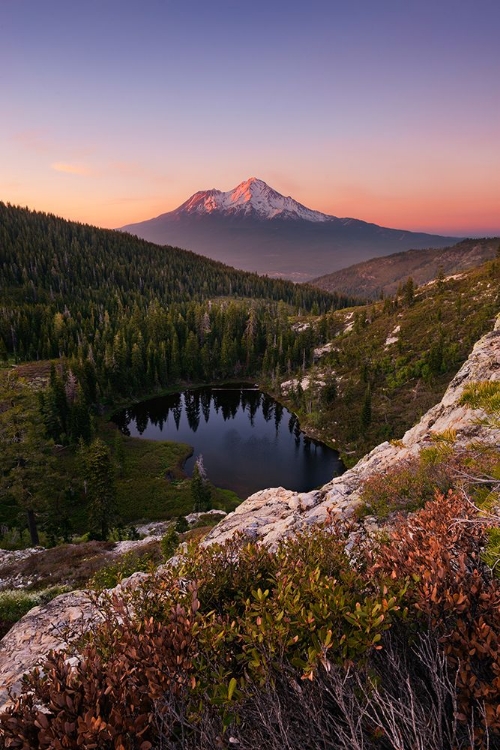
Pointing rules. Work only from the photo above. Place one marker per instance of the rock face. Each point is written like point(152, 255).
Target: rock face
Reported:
point(51, 626)
point(268, 515)
point(271, 514)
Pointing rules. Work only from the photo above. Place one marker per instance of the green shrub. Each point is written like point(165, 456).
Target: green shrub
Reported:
point(491, 554)
point(181, 525)
point(169, 543)
point(112, 574)
point(407, 486)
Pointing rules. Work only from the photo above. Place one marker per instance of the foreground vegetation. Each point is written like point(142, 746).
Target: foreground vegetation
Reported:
point(341, 638)
point(305, 647)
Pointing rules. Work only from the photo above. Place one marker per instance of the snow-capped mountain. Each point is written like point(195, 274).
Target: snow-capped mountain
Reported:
point(251, 198)
point(255, 228)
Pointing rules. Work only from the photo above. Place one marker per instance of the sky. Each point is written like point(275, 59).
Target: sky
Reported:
point(115, 111)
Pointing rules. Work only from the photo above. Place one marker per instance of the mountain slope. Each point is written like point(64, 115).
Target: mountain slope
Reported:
point(137, 314)
point(383, 275)
point(380, 367)
point(255, 228)
point(270, 515)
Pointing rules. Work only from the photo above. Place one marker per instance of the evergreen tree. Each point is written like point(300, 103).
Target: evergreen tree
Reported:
point(100, 488)
point(366, 411)
point(26, 455)
point(409, 292)
point(201, 492)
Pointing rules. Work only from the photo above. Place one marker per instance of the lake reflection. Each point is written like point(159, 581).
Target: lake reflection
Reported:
point(248, 440)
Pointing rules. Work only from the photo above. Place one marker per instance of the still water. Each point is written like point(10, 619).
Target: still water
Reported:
point(248, 440)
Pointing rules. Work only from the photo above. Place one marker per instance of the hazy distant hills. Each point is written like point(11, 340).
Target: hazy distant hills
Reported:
point(370, 278)
point(255, 228)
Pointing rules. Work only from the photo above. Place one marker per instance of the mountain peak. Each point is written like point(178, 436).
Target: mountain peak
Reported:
point(252, 198)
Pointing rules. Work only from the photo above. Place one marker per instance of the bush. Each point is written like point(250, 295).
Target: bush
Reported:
point(394, 647)
point(169, 543)
point(439, 549)
point(406, 487)
point(112, 574)
point(181, 525)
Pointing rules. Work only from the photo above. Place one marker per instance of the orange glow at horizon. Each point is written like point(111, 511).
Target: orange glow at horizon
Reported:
point(446, 215)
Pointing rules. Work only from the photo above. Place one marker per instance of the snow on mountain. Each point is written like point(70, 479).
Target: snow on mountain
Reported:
point(252, 198)
point(255, 228)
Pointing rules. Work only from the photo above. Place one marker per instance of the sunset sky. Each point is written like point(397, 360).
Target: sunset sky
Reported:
point(114, 111)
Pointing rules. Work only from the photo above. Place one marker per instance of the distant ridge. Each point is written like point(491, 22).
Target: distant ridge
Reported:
point(255, 228)
point(383, 275)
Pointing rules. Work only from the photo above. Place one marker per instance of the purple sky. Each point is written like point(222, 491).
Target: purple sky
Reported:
point(114, 111)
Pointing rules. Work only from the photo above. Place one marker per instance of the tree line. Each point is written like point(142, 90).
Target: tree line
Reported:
point(130, 316)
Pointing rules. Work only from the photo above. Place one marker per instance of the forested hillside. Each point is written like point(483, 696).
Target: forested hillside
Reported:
point(93, 317)
point(386, 363)
point(133, 316)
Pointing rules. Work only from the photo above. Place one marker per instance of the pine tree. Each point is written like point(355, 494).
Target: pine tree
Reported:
point(409, 292)
point(201, 492)
point(100, 488)
point(366, 411)
point(26, 455)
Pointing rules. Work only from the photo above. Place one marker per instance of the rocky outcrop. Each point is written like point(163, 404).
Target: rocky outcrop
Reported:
point(271, 514)
point(268, 515)
point(51, 626)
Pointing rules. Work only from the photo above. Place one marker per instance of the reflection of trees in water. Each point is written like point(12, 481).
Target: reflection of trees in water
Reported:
point(206, 402)
point(176, 406)
point(141, 420)
point(153, 412)
point(250, 401)
point(294, 429)
point(192, 406)
point(218, 398)
point(278, 416)
point(230, 403)
point(122, 421)
point(267, 407)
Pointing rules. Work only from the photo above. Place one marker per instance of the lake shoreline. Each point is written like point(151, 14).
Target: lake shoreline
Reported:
point(237, 426)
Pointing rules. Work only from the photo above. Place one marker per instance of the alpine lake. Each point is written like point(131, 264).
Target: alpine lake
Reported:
point(247, 439)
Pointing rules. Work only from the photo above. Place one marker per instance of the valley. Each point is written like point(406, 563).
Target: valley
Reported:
point(249, 425)
point(95, 321)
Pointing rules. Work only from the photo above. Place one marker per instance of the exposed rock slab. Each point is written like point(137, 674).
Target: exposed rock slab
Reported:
point(51, 626)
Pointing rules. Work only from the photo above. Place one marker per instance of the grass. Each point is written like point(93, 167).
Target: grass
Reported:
point(15, 604)
point(150, 482)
